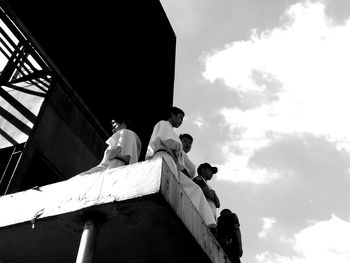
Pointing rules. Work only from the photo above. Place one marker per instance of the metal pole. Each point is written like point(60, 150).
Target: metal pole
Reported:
point(87, 243)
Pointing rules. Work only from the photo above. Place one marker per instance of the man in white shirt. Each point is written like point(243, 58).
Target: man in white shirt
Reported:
point(124, 147)
point(164, 142)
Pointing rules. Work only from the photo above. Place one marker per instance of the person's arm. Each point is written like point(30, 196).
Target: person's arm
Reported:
point(208, 193)
point(216, 200)
point(237, 233)
point(116, 153)
point(185, 172)
point(163, 136)
point(190, 167)
point(239, 239)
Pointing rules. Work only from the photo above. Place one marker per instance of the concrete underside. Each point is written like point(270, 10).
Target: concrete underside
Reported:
point(142, 230)
point(143, 215)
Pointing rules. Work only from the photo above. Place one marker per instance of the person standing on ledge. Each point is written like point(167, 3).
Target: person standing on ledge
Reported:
point(124, 147)
point(229, 235)
point(164, 142)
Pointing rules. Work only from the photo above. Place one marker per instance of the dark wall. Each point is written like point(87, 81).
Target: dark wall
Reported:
point(118, 56)
point(62, 143)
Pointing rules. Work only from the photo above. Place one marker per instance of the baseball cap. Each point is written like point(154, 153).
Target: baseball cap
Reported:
point(213, 169)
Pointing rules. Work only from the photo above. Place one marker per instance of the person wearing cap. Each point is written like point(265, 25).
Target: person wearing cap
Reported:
point(193, 191)
point(165, 143)
point(229, 235)
point(205, 173)
point(124, 147)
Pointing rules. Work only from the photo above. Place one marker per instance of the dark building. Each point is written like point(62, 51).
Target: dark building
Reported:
point(83, 63)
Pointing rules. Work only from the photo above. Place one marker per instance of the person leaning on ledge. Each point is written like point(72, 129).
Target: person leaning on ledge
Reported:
point(123, 147)
point(205, 173)
point(165, 143)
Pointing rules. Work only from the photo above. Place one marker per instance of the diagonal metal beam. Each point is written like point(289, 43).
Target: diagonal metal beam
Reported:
point(5, 48)
point(17, 105)
point(34, 75)
point(14, 121)
point(11, 26)
point(28, 91)
point(8, 137)
point(17, 63)
point(8, 40)
point(19, 60)
point(9, 68)
point(25, 68)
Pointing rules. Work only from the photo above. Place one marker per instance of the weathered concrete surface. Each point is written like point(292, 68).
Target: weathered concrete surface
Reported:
point(179, 201)
point(131, 204)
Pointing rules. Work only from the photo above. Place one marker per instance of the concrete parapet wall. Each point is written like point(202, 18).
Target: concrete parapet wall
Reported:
point(147, 215)
point(180, 202)
point(79, 192)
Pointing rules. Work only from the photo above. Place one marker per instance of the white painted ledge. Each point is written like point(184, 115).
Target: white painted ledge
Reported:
point(114, 185)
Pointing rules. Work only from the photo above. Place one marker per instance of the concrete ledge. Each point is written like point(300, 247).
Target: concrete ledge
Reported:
point(119, 184)
point(147, 217)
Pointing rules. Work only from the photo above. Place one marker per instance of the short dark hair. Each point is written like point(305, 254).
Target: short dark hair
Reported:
point(186, 135)
point(225, 211)
point(176, 111)
point(122, 119)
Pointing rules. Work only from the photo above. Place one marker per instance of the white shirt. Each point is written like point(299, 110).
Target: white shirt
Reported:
point(190, 167)
point(164, 138)
point(126, 145)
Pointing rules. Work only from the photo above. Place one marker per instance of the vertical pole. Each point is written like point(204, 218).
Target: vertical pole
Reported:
point(87, 243)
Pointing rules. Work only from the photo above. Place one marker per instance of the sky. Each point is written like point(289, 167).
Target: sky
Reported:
point(265, 88)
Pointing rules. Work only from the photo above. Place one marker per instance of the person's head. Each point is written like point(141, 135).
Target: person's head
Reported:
point(226, 222)
point(187, 141)
point(206, 171)
point(176, 117)
point(226, 212)
point(227, 217)
point(119, 123)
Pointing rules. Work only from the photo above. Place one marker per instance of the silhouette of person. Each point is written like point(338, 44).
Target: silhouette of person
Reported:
point(229, 235)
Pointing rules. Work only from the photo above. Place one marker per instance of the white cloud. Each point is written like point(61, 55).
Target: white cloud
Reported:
point(309, 56)
point(235, 169)
point(198, 121)
point(322, 242)
point(195, 119)
point(267, 224)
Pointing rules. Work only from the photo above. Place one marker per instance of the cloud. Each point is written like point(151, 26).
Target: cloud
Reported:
point(313, 176)
point(322, 242)
point(205, 127)
point(266, 226)
point(292, 79)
